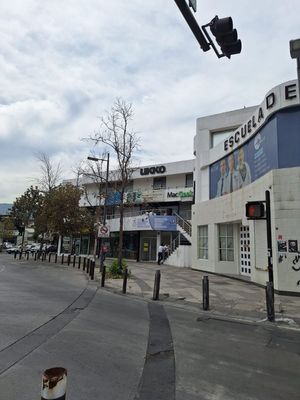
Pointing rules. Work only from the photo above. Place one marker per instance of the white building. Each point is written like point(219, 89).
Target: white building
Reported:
point(239, 156)
point(158, 203)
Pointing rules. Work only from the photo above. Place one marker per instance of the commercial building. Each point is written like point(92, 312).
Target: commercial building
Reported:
point(158, 202)
point(239, 156)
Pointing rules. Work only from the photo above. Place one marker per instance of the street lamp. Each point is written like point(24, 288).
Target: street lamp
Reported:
point(295, 53)
point(102, 254)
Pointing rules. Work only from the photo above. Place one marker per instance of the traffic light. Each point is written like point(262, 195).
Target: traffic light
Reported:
point(226, 36)
point(255, 210)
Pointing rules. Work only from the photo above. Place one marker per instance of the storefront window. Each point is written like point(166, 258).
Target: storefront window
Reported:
point(226, 242)
point(203, 242)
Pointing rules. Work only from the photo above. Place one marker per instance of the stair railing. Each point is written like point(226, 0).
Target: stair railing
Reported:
point(185, 225)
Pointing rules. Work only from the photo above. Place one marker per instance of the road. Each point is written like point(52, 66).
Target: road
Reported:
point(118, 346)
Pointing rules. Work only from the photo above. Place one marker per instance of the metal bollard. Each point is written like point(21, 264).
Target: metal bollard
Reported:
point(205, 293)
point(74, 260)
point(125, 276)
point(62, 258)
point(54, 384)
point(27, 255)
point(88, 266)
point(69, 259)
point(43, 256)
point(92, 270)
point(55, 259)
point(84, 263)
point(270, 301)
point(20, 255)
point(79, 262)
point(156, 285)
point(103, 276)
point(49, 259)
point(35, 255)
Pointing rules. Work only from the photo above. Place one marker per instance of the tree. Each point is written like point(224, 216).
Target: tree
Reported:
point(25, 208)
point(7, 228)
point(115, 134)
point(51, 173)
point(61, 213)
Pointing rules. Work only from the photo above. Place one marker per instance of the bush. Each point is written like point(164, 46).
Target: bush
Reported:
point(114, 271)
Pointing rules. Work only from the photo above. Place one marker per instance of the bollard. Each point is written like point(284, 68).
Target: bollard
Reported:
point(69, 259)
point(35, 254)
point(88, 266)
point(74, 260)
point(103, 276)
point(55, 260)
point(20, 255)
point(270, 301)
point(156, 285)
point(79, 262)
point(49, 259)
point(205, 293)
point(54, 384)
point(84, 262)
point(43, 256)
point(125, 276)
point(62, 258)
point(92, 270)
point(27, 255)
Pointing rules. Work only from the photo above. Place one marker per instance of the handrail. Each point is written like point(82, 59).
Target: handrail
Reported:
point(185, 225)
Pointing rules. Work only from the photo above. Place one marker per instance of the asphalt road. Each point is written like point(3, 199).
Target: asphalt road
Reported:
point(118, 346)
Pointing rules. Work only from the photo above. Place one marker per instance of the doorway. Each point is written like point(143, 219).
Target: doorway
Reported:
point(245, 260)
point(148, 249)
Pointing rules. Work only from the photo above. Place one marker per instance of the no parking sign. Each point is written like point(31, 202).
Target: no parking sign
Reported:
point(103, 231)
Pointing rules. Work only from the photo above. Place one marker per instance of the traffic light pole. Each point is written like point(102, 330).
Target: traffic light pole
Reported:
point(192, 23)
point(269, 237)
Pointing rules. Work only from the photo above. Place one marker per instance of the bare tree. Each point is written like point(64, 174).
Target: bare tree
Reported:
point(115, 134)
point(51, 174)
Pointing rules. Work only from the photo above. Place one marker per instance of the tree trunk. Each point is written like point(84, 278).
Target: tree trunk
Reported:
point(120, 249)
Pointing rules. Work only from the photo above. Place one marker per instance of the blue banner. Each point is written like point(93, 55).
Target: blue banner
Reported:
point(163, 223)
point(246, 164)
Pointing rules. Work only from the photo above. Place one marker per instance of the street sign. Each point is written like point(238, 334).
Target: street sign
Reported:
point(193, 4)
point(103, 231)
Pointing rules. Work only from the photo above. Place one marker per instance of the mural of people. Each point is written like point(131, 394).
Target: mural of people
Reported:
point(243, 169)
point(222, 182)
point(233, 176)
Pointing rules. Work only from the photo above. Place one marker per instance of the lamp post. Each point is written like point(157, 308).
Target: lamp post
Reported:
point(102, 254)
point(295, 53)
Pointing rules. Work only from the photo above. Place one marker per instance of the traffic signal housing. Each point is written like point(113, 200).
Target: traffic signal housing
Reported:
point(226, 36)
point(255, 210)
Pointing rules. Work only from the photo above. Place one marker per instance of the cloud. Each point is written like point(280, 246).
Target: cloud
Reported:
point(63, 64)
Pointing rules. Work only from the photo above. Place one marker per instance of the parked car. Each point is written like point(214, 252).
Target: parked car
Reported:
point(51, 248)
point(15, 249)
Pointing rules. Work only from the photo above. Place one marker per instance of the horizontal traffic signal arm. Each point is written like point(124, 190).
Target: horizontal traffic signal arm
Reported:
point(195, 28)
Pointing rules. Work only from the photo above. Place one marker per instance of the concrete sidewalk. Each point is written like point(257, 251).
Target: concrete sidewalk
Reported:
point(228, 297)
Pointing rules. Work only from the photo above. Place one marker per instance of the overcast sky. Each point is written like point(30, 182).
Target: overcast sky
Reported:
point(63, 63)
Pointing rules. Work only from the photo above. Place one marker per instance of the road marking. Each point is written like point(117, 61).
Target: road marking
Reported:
point(2, 268)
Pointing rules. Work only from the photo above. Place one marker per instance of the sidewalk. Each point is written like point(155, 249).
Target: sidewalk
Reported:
point(228, 297)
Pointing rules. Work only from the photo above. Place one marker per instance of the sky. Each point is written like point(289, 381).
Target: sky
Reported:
point(64, 63)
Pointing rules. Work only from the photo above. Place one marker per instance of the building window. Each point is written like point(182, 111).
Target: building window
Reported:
point(226, 242)
point(159, 182)
point(189, 180)
point(203, 242)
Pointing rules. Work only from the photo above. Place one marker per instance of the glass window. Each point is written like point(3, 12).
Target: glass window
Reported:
point(159, 182)
point(189, 180)
point(226, 242)
point(203, 242)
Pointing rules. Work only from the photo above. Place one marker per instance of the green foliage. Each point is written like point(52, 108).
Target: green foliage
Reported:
point(7, 228)
point(26, 207)
point(62, 214)
point(114, 271)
